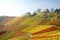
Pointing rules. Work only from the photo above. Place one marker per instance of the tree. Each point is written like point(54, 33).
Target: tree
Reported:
point(57, 12)
point(52, 10)
point(47, 10)
point(52, 14)
point(28, 14)
point(59, 9)
point(38, 10)
point(34, 13)
point(46, 13)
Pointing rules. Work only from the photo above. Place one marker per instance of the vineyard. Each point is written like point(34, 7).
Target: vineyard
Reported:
point(30, 28)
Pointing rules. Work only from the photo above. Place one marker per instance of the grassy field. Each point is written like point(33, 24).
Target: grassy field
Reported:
point(12, 21)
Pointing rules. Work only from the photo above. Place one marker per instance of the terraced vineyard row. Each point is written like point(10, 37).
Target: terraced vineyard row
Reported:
point(46, 30)
point(47, 38)
point(36, 29)
point(46, 33)
point(9, 35)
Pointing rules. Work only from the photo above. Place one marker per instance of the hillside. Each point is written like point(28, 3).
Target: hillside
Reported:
point(29, 28)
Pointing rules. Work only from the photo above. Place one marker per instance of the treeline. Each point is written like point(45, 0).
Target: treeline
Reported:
point(46, 13)
point(3, 17)
point(54, 14)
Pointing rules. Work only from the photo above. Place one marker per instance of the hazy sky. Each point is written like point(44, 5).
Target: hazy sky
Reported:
point(19, 7)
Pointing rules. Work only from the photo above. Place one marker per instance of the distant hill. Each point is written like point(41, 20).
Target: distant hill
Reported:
point(2, 18)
